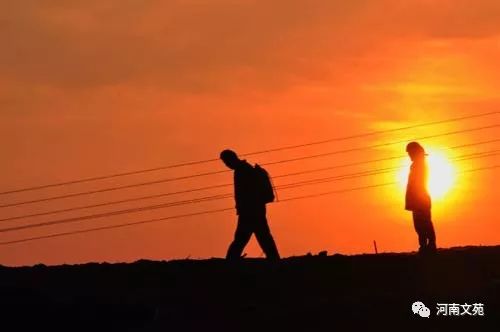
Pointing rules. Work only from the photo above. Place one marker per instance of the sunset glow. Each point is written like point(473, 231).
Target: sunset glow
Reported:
point(96, 88)
point(442, 174)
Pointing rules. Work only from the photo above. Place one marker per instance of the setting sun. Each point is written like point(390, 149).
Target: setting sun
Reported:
point(441, 174)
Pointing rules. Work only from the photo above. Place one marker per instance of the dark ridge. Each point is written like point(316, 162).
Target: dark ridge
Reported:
point(303, 293)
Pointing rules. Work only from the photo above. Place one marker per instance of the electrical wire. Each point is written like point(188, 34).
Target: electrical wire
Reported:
point(289, 147)
point(215, 197)
point(135, 185)
point(225, 185)
point(88, 230)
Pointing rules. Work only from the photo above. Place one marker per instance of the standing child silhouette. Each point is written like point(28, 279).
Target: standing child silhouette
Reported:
point(418, 199)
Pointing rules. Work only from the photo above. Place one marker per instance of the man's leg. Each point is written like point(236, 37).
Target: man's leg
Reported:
point(241, 238)
point(264, 237)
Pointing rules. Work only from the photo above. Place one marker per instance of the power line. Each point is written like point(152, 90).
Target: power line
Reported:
point(375, 186)
point(114, 213)
point(375, 146)
point(374, 133)
point(114, 226)
point(480, 155)
point(116, 202)
point(54, 235)
point(215, 197)
point(378, 171)
point(135, 185)
point(147, 170)
point(226, 184)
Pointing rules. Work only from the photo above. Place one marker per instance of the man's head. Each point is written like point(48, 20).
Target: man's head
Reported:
point(230, 158)
point(415, 151)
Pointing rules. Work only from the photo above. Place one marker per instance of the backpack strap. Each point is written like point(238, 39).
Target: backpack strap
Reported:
point(275, 191)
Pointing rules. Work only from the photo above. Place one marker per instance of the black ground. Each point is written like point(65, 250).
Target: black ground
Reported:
point(308, 293)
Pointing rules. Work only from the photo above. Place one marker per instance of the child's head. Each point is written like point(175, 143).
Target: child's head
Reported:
point(415, 150)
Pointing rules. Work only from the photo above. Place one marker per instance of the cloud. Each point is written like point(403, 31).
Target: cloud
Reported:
point(199, 46)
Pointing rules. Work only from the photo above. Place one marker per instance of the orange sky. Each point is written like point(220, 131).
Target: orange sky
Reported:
point(92, 88)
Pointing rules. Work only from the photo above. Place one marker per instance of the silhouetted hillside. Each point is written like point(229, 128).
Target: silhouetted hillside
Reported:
point(308, 293)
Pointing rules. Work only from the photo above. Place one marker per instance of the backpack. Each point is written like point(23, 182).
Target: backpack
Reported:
point(264, 185)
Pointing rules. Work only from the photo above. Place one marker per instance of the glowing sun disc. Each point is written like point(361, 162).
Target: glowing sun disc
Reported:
point(441, 175)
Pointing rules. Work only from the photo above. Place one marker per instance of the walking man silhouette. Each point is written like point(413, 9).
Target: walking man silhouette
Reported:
point(418, 199)
point(250, 207)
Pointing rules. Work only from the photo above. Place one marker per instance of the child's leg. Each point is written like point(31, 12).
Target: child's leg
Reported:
point(419, 224)
point(431, 235)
